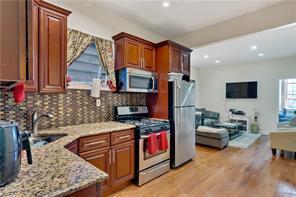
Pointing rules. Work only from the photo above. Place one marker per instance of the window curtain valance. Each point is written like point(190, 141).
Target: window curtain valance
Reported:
point(78, 41)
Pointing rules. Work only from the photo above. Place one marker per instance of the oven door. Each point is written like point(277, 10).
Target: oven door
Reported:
point(146, 160)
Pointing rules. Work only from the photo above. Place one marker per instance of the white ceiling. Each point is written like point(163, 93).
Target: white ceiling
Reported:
point(274, 43)
point(183, 16)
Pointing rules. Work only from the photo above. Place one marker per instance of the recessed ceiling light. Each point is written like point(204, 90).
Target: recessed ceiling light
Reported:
point(217, 61)
point(206, 56)
point(166, 4)
point(260, 54)
point(254, 47)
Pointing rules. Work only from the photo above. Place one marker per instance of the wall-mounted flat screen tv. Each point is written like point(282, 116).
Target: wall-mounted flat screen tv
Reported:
point(241, 90)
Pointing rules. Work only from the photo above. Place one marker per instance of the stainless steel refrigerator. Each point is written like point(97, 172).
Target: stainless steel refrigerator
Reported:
point(182, 119)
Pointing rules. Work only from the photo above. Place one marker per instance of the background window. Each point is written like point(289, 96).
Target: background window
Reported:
point(291, 94)
point(87, 67)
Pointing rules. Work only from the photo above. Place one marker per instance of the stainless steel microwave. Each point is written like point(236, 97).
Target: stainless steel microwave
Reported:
point(135, 80)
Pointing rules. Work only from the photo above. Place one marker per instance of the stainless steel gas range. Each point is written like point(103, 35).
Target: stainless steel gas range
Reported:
point(147, 166)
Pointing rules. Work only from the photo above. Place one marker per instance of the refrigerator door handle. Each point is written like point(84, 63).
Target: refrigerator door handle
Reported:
point(177, 101)
point(176, 93)
point(179, 118)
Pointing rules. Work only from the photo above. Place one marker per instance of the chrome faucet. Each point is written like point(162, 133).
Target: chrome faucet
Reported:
point(36, 120)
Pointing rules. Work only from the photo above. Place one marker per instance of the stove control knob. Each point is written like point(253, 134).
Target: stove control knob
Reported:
point(150, 129)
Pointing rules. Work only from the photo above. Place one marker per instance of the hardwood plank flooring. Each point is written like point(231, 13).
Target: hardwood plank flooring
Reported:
point(231, 172)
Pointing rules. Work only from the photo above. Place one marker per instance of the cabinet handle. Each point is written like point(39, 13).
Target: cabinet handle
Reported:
point(95, 143)
point(123, 137)
point(113, 156)
point(94, 157)
point(143, 64)
point(110, 162)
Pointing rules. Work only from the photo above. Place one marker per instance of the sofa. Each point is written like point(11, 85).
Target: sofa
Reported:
point(284, 140)
point(285, 115)
point(207, 118)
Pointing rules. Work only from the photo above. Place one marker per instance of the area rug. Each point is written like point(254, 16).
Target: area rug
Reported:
point(244, 141)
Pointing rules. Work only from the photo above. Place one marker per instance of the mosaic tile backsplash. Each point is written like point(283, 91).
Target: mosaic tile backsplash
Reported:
point(74, 107)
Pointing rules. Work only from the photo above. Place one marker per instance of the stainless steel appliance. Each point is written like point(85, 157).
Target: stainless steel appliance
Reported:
point(11, 143)
point(182, 119)
point(147, 166)
point(134, 80)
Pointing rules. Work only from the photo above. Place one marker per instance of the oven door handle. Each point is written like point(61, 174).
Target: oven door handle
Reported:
point(147, 136)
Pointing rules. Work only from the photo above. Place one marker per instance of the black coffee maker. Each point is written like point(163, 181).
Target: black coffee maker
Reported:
point(12, 142)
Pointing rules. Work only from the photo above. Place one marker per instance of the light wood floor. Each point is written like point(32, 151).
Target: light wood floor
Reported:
point(231, 172)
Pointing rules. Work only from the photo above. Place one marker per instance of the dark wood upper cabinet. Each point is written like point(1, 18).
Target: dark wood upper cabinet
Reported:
point(132, 55)
point(185, 62)
point(135, 52)
point(122, 168)
point(31, 83)
point(13, 40)
point(148, 57)
point(52, 48)
point(170, 57)
point(175, 59)
point(179, 57)
point(33, 44)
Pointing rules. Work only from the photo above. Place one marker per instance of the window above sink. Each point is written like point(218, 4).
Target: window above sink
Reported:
point(86, 68)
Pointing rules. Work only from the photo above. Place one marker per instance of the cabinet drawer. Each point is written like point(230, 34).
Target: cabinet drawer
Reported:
point(122, 136)
point(93, 142)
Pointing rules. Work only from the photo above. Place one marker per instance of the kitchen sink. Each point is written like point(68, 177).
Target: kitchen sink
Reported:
point(39, 141)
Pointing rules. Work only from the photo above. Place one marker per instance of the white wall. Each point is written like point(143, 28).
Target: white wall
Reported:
point(89, 18)
point(211, 88)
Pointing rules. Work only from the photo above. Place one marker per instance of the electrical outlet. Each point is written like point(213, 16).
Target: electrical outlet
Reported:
point(98, 102)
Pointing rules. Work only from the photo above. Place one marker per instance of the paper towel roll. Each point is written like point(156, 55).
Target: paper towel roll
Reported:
point(96, 88)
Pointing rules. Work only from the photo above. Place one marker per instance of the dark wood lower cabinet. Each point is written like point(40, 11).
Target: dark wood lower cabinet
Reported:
point(117, 160)
point(101, 159)
point(122, 168)
point(91, 191)
point(73, 147)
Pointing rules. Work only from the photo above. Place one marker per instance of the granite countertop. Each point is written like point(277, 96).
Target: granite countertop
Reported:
point(55, 170)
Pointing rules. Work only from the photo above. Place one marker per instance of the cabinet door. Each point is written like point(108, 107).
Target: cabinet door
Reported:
point(52, 51)
point(13, 40)
point(132, 53)
point(148, 57)
point(101, 158)
point(185, 63)
point(175, 59)
point(31, 83)
point(122, 168)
